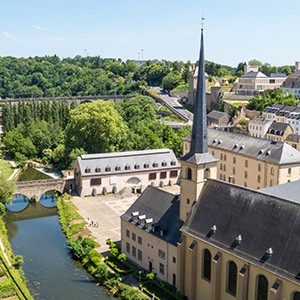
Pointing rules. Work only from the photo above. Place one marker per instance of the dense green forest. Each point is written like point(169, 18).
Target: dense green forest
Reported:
point(55, 132)
point(51, 76)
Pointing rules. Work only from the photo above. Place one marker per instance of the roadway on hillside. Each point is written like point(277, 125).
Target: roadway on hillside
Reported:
point(173, 101)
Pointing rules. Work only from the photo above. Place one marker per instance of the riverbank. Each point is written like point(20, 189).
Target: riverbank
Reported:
point(12, 280)
point(83, 249)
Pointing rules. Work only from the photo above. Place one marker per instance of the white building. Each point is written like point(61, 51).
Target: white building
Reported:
point(258, 127)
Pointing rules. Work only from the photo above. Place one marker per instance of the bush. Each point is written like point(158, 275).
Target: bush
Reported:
point(114, 252)
point(80, 247)
point(18, 260)
point(150, 276)
point(2, 210)
point(130, 293)
point(122, 257)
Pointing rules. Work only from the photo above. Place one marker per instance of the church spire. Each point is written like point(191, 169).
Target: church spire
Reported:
point(199, 133)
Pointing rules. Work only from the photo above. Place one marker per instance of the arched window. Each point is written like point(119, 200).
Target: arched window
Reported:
point(272, 171)
point(231, 278)
point(296, 296)
point(262, 288)
point(189, 173)
point(206, 270)
point(206, 173)
point(87, 170)
point(289, 171)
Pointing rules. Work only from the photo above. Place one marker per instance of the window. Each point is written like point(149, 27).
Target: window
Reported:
point(133, 236)
point(127, 247)
point(213, 153)
point(234, 160)
point(173, 174)
point(296, 296)
point(161, 254)
point(140, 241)
point(272, 171)
point(133, 251)
point(221, 166)
point(224, 167)
point(221, 156)
point(98, 170)
point(107, 169)
point(174, 279)
point(127, 167)
point(206, 271)
point(189, 173)
point(262, 288)
point(152, 176)
point(233, 170)
point(246, 174)
point(146, 165)
point(140, 255)
point(117, 168)
point(220, 176)
point(95, 181)
point(258, 178)
point(163, 175)
point(155, 164)
point(289, 171)
point(206, 173)
point(173, 163)
point(127, 233)
point(246, 163)
point(174, 259)
point(136, 166)
point(271, 182)
point(259, 167)
point(161, 268)
point(164, 163)
point(87, 170)
point(224, 178)
point(225, 157)
point(232, 278)
point(187, 201)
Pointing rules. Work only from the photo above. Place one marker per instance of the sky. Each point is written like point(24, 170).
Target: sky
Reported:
point(235, 30)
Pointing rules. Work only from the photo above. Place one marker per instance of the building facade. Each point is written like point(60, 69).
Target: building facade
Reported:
point(279, 131)
point(254, 82)
point(111, 172)
point(252, 162)
point(258, 127)
point(292, 83)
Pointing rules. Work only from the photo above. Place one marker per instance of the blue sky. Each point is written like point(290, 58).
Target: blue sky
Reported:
point(235, 30)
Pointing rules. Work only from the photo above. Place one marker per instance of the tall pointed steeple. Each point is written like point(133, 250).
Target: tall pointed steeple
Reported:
point(198, 164)
point(199, 133)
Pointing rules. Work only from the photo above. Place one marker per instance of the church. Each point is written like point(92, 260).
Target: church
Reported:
point(216, 240)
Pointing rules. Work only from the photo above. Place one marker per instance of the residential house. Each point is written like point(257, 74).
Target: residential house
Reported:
point(293, 140)
point(258, 127)
point(291, 85)
point(217, 119)
point(279, 131)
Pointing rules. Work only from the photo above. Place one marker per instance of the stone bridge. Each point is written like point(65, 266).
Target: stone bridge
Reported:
point(35, 189)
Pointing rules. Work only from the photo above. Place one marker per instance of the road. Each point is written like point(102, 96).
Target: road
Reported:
point(173, 102)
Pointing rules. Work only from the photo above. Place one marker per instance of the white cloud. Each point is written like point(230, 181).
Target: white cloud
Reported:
point(37, 27)
point(9, 35)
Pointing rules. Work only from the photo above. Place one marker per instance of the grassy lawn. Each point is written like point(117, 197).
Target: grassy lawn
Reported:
point(5, 168)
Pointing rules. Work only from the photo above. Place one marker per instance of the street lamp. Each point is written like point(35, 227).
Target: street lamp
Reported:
point(140, 274)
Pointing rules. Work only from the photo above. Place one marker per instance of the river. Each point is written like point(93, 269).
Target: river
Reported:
point(51, 273)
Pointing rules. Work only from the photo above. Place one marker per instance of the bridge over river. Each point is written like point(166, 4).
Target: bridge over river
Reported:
point(33, 190)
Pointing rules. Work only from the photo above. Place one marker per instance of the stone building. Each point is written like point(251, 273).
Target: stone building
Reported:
point(235, 242)
point(111, 172)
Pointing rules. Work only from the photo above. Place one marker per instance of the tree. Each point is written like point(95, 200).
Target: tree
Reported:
point(171, 80)
point(95, 127)
point(255, 62)
point(6, 189)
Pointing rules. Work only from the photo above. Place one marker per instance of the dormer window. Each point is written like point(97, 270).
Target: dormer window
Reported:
point(98, 170)
point(87, 170)
point(164, 163)
point(136, 166)
point(173, 162)
point(146, 165)
point(155, 164)
point(117, 168)
point(127, 167)
point(107, 169)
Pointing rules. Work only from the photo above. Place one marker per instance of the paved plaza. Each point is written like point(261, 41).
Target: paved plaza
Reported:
point(106, 210)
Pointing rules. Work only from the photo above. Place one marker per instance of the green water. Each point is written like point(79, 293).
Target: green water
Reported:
point(32, 174)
